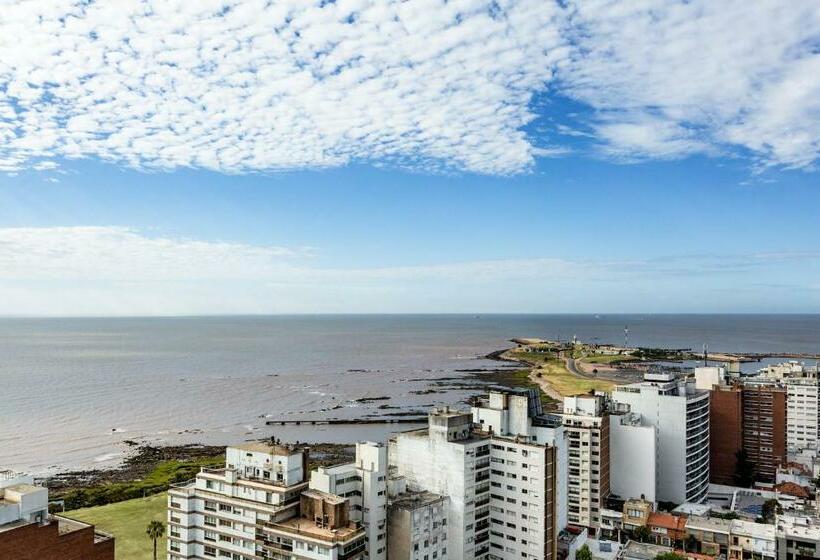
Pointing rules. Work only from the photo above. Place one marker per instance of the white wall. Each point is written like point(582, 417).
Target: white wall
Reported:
point(632, 458)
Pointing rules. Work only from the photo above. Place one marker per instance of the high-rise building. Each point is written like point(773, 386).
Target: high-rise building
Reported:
point(586, 423)
point(726, 437)
point(28, 532)
point(803, 413)
point(519, 413)
point(418, 526)
point(748, 417)
point(680, 415)
point(764, 428)
point(500, 480)
point(364, 483)
point(260, 507)
point(632, 457)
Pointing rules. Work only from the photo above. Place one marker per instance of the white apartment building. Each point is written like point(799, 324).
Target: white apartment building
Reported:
point(448, 458)
point(802, 413)
point(498, 473)
point(586, 423)
point(259, 507)
point(417, 523)
point(518, 413)
point(364, 484)
point(680, 415)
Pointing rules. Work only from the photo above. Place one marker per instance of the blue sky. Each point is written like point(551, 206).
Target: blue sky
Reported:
point(572, 168)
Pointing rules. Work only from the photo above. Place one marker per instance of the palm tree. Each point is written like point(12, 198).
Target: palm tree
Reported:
point(155, 531)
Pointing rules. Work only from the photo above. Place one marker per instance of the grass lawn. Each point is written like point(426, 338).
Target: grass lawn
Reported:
point(567, 383)
point(607, 359)
point(127, 521)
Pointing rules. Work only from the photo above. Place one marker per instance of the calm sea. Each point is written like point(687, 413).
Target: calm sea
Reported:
point(71, 390)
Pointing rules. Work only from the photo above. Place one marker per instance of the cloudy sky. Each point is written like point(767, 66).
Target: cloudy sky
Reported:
point(272, 156)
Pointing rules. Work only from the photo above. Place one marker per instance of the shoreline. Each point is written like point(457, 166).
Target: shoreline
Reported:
point(151, 469)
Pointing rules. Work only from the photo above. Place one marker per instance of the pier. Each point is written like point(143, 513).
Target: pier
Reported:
point(354, 421)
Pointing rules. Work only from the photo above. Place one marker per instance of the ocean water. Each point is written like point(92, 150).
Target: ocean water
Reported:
point(72, 390)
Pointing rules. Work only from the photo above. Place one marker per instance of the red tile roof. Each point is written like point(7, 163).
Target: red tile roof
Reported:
point(792, 489)
point(667, 521)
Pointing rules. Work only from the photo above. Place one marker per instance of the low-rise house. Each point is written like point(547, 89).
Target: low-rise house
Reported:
point(667, 529)
point(570, 541)
point(712, 534)
point(752, 541)
point(636, 513)
point(603, 549)
point(634, 550)
point(612, 523)
point(798, 537)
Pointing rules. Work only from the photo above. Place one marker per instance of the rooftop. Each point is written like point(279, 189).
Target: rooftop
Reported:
point(414, 500)
point(752, 529)
point(667, 521)
point(270, 448)
point(307, 528)
point(324, 496)
point(711, 524)
point(643, 551)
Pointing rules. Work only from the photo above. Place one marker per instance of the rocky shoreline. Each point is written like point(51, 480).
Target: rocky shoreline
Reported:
point(150, 469)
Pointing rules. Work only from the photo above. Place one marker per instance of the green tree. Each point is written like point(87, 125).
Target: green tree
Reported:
point(669, 556)
point(771, 508)
point(583, 553)
point(643, 533)
point(155, 531)
point(744, 469)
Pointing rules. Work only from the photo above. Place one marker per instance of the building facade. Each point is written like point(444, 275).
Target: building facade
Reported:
point(417, 523)
point(764, 428)
point(680, 416)
point(260, 507)
point(364, 483)
point(726, 437)
point(498, 472)
point(803, 396)
point(586, 423)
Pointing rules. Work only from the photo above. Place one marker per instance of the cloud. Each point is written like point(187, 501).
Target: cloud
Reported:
point(672, 78)
point(254, 85)
point(116, 253)
point(243, 86)
point(123, 271)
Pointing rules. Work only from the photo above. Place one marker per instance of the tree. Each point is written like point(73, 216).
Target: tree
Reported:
point(155, 531)
point(744, 469)
point(643, 533)
point(669, 556)
point(583, 553)
point(771, 508)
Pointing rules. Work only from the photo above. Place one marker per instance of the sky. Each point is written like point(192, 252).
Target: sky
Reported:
point(223, 157)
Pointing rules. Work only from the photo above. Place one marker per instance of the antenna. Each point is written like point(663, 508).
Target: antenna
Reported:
point(705, 354)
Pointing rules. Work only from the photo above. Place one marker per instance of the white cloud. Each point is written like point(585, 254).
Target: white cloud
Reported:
point(240, 86)
point(122, 271)
point(253, 85)
point(672, 78)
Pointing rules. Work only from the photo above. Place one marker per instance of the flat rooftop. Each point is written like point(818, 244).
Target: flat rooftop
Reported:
point(272, 449)
point(415, 500)
point(643, 551)
point(307, 528)
point(324, 496)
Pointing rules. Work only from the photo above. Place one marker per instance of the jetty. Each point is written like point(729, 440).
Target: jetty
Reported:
point(351, 422)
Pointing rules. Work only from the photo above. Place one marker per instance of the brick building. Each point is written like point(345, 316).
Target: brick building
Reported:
point(28, 532)
point(57, 539)
point(749, 417)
